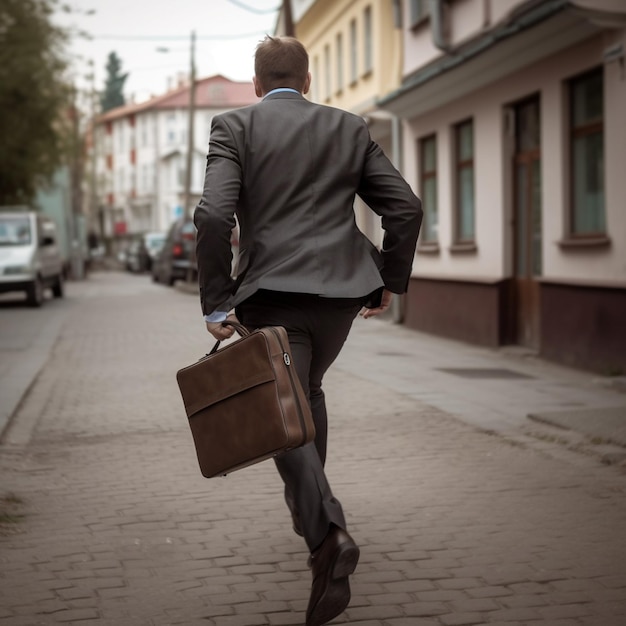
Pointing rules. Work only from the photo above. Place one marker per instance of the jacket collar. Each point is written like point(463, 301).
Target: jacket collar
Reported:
point(284, 95)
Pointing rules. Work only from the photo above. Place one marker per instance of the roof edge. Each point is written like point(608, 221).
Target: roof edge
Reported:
point(521, 19)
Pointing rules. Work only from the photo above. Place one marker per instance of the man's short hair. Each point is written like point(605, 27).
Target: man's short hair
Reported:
point(281, 62)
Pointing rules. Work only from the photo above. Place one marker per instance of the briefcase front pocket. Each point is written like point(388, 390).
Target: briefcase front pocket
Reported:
point(245, 403)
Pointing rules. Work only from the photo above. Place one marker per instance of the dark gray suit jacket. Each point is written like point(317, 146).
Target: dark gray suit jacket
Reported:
point(289, 169)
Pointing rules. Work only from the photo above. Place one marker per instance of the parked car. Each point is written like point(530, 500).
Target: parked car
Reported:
point(30, 259)
point(135, 256)
point(177, 258)
point(140, 253)
point(154, 243)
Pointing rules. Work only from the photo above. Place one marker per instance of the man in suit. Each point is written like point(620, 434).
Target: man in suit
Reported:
point(289, 170)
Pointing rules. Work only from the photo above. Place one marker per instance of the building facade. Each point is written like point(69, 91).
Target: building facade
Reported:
point(514, 116)
point(355, 56)
point(512, 130)
point(141, 152)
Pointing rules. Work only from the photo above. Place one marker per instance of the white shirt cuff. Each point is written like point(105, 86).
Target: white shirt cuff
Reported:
point(216, 317)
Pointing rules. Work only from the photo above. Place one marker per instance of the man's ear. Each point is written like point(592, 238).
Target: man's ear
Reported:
point(307, 83)
point(257, 87)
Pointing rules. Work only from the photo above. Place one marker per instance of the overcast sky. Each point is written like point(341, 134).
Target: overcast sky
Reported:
point(134, 29)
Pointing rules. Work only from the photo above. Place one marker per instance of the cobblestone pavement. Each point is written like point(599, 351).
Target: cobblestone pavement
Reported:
point(106, 518)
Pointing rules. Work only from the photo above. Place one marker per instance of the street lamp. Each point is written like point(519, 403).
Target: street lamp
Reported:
point(190, 133)
point(190, 124)
point(190, 138)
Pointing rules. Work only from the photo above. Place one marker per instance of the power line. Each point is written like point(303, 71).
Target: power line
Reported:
point(177, 37)
point(153, 68)
point(241, 5)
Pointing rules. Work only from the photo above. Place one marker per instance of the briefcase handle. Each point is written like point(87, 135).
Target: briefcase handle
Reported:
point(240, 328)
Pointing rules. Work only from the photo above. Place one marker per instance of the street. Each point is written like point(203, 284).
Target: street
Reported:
point(466, 512)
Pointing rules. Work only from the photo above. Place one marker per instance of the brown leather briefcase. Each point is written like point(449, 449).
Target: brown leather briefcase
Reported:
point(245, 402)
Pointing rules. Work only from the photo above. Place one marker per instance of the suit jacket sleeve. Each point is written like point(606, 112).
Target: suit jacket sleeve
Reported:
point(214, 218)
point(384, 190)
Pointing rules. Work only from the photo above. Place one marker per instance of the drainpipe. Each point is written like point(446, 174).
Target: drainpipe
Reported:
point(439, 23)
point(486, 13)
point(397, 303)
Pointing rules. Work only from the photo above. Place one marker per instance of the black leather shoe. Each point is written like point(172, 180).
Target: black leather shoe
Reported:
point(331, 565)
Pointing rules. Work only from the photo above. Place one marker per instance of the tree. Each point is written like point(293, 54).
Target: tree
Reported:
point(34, 98)
point(113, 88)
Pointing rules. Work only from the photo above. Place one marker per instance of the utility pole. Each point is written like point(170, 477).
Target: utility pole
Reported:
point(190, 128)
point(76, 171)
point(290, 30)
point(190, 149)
point(96, 215)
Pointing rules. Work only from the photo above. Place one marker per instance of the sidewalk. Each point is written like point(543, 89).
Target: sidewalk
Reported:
point(465, 510)
point(508, 391)
point(24, 349)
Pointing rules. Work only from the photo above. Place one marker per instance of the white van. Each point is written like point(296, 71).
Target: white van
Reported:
point(30, 259)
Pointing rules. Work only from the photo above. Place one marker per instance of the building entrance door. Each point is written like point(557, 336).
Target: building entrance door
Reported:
point(527, 261)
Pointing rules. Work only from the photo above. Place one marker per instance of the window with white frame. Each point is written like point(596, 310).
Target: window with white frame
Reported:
point(464, 182)
point(327, 77)
point(145, 181)
point(587, 217)
point(144, 131)
point(171, 128)
point(428, 188)
point(354, 64)
point(339, 44)
point(368, 55)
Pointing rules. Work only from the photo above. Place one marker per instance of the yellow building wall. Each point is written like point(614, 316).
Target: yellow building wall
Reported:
point(319, 29)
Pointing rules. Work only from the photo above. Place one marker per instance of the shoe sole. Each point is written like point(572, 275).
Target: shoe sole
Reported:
point(337, 595)
point(346, 561)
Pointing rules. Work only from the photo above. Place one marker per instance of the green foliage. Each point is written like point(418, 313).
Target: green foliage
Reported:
point(113, 88)
point(34, 99)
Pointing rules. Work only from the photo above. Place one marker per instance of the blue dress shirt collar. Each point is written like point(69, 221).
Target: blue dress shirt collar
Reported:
point(278, 90)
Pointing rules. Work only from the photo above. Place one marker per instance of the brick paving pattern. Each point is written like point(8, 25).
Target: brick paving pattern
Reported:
point(112, 523)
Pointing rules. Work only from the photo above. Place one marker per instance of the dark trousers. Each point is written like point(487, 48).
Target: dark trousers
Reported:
point(317, 329)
